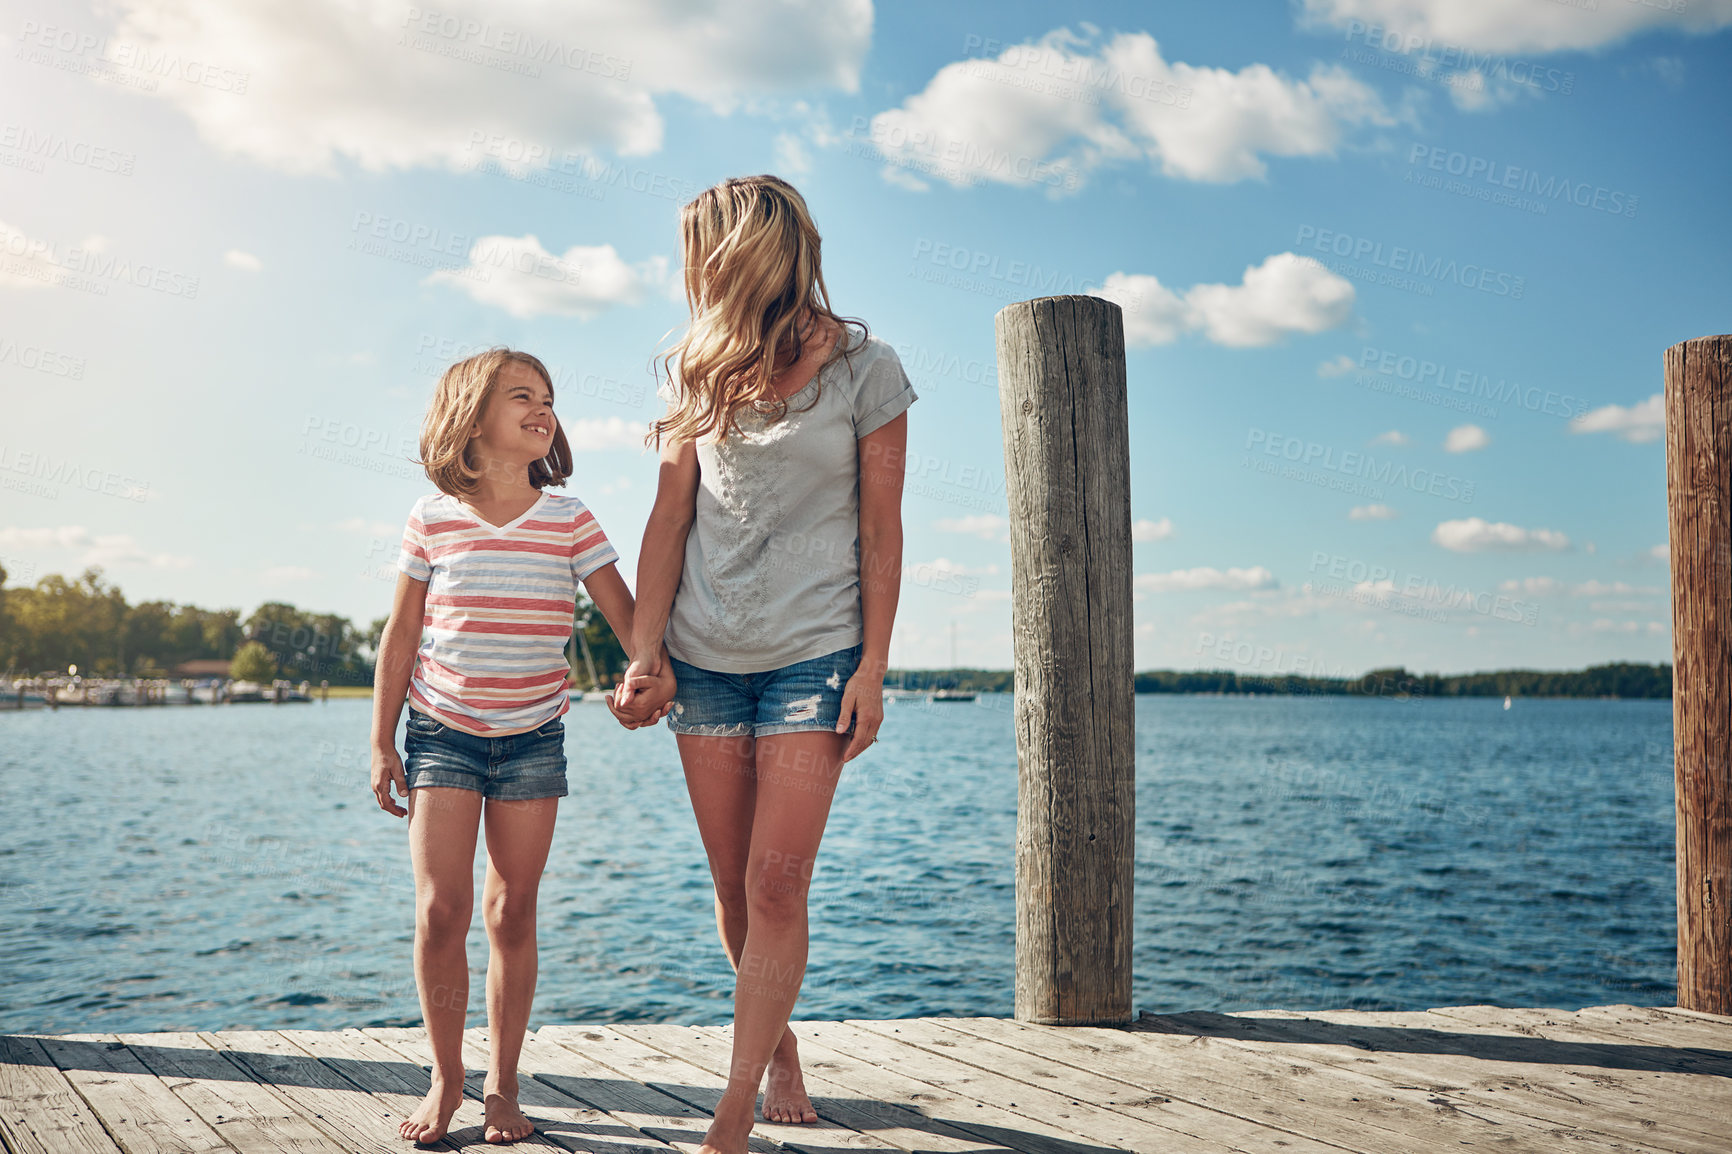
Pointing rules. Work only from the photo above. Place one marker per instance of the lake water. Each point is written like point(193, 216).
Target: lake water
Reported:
point(223, 867)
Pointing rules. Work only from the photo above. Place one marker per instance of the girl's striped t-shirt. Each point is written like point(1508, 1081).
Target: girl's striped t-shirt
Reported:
point(500, 602)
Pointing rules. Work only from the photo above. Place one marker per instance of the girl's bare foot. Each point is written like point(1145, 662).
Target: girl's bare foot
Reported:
point(504, 1121)
point(732, 1126)
point(785, 1097)
point(429, 1121)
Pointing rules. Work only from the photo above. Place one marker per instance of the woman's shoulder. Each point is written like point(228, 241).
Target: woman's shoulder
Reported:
point(864, 350)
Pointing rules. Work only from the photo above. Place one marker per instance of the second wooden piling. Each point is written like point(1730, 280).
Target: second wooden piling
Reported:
point(1061, 366)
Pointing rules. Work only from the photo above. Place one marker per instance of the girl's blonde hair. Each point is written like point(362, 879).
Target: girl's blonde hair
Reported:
point(458, 402)
point(752, 274)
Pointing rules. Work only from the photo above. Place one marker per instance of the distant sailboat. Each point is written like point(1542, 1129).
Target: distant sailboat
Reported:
point(1506, 703)
point(952, 694)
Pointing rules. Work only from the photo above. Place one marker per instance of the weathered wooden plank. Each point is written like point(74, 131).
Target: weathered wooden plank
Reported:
point(251, 1117)
point(1657, 1028)
point(40, 1112)
point(560, 1118)
point(1542, 1105)
point(140, 1113)
point(560, 1056)
point(392, 1079)
point(358, 1120)
point(901, 1126)
point(703, 1089)
point(1328, 1105)
point(939, 1108)
point(1067, 476)
point(1149, 1103)
point(1700, 1015)
point(1034, 1109)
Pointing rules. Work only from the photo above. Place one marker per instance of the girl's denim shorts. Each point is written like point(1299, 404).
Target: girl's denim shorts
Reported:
point(795, 698)
point(515, 768)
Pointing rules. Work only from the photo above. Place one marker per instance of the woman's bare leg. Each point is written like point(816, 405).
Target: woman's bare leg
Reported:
point(795, 780)
point(442, 828)
point(721, 776)
point(518, 836)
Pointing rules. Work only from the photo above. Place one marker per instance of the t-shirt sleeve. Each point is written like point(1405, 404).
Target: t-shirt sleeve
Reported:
point(884, 393)
point(412, 557)
point(590, 548)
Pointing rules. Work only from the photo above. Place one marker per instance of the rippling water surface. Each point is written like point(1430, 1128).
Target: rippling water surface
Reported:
point(209, 868)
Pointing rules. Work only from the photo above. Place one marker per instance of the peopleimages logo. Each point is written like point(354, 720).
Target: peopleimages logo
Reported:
point(1499, 176)
point(1411, 262)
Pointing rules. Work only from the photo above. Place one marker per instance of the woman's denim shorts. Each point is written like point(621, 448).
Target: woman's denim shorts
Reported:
point(795, 698)
point(515, 768)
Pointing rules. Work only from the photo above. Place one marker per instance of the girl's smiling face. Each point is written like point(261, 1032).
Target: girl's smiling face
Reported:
point(517, 421)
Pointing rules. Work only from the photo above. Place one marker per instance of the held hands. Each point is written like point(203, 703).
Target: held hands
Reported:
point(388, 772)
point(646, 695)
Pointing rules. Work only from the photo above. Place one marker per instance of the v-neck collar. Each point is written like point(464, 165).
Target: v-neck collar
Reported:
point(498, 530)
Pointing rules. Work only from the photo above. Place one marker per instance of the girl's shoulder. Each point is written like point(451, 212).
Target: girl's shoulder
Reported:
point(563, 507)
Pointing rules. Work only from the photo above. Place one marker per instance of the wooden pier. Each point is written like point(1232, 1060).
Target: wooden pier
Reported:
point(1611, 1078)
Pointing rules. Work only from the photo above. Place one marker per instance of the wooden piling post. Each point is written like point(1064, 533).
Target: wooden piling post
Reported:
point(1699, 509)
point(1061, 375)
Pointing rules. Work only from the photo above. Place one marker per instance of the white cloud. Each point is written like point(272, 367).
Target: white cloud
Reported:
point(1661, 552)
point(1285, 294)
point(1642, 422)
point(1392, 437)
point(1371, 513)
point(943, 566)
point(1048, 113)
point(1338, 366)
point(389, 85)
point(1532, 586)
point(1465, 439)
point(30, 262)
point(988, 525)
point(1154, 314)
point(1146, 530)
point(1205, 577)
point(588, 434)
point(792, 159)
point(517, 274)
point(1499, 26)
point(245, 261)
point(100, 549)
point(286, 574)
point(362, 527)
point(1604, 588)
point(1475, 535)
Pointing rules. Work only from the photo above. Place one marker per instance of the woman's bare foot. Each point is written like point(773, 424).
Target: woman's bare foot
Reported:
point(732, 1125)
point(785, 1097)
point(429, 1121)
point(504, 1121)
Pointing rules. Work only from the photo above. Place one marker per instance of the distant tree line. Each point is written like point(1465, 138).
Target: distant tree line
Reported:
point(1620, 679)
point(87, 622)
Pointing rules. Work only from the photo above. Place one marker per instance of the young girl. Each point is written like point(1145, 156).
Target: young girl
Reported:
point(490, 566)
point(772, 564)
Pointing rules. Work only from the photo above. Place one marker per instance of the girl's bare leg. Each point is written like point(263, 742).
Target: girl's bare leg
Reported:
point(796, 777)
point(442, 829)
point(721, 776)
point(518, 836)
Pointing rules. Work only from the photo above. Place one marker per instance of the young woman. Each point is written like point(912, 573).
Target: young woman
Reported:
point(771, 565)
point(490, 567)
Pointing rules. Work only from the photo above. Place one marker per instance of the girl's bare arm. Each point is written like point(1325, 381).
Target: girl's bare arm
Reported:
point(394, 665)
point(882, 468)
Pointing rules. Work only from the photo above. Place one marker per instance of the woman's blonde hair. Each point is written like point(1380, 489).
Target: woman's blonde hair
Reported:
point(752, 275)
point(459, 399)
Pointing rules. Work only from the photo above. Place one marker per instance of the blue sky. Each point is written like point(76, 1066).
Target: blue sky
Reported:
point(1398, 275)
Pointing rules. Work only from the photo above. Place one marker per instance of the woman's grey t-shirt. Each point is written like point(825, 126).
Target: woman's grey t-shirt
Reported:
point(772, 565)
